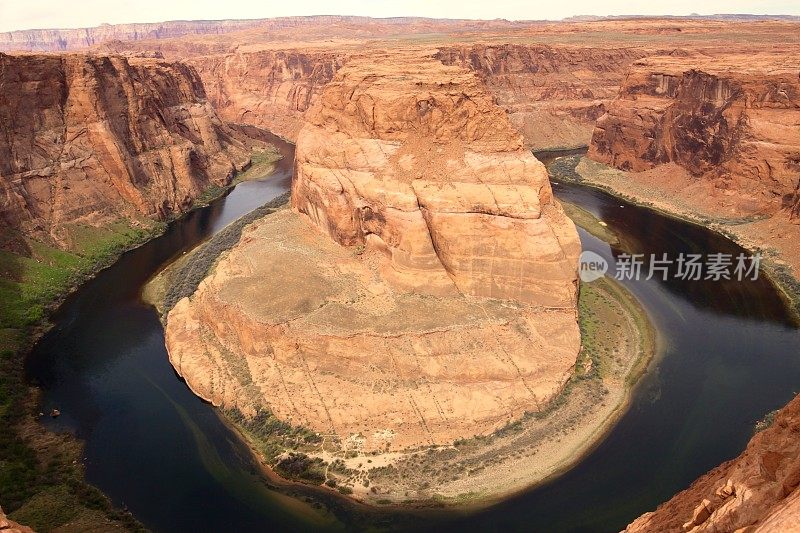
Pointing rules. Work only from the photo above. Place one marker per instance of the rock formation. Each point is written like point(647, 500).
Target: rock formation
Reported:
point(91, 139)
point(553, 94)
point(731, 123)
point(323, 26)
point(757, 491)
point(52, 40)
point(266, 87)
point(435, 301)
point(433, 174)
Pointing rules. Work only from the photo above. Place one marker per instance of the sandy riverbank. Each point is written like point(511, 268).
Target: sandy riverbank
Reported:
point(477, 471)
point(775, 237)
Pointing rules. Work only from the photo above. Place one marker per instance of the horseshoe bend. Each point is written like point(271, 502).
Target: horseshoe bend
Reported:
point(352, 273)
point(420, 291)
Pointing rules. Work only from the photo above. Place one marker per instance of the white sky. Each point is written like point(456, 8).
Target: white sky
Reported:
point(27, 14)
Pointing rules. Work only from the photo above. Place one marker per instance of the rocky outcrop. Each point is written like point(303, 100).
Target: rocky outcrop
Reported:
point(413, 158)
point(9, 526)
point(91, 139)
point(435, 301)
point(731, 123)
point(757, 491)
point(553, 94)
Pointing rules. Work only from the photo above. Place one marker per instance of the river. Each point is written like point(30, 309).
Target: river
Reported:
point(729, 356)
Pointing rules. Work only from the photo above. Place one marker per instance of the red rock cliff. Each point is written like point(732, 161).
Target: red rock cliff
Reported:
point(553, 94)
point(732, 123)
point(90, 139)
point(267, 88)
point(756, 492)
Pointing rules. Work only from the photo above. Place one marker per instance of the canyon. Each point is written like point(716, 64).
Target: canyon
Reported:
point(420, 221)
point(92, 140)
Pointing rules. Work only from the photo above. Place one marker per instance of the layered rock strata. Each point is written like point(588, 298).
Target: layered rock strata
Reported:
point(267, 88)
point(553, 94)
point(414, 158)
point(757, 491)
point(428, 291)
point(730, 126)
point(90, 139)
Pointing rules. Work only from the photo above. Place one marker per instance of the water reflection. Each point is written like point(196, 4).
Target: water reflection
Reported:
point(730, 356)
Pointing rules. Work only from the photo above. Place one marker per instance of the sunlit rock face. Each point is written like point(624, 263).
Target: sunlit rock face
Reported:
point(730, 122)
point(411, 157)
point(88, 139)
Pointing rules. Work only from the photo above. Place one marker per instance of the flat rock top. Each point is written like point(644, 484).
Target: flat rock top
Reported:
point(406, 95)
point(731, 64)
point(300, 275)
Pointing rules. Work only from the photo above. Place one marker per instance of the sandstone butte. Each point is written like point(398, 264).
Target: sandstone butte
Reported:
point(91, 139)
point(422, 290)
point(724, 131)
point(755, 492)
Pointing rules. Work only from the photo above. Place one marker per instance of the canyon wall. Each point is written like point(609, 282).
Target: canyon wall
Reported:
point(287, 28)
point(553, 94)
point(57, 40)
point(267, 88)
point(757, 491)
point(732, 124)
point(90, 139)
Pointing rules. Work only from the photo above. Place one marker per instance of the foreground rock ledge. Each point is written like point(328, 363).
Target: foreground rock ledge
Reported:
point(427, 291)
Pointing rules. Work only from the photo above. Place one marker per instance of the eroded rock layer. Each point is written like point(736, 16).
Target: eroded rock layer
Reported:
point(731, 123)
point(413, 158)
point(427, 290)
point(9, 526)
point(757, 491)
point(553, 95)
point(91, 139)
point(291, 322)
point(267, 88)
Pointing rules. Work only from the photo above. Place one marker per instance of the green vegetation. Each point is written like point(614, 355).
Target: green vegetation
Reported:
point(301, 467)
point(272, 436)
point(181, 279)
point(31, 281)
point(261, 164)
point(41, 475)
point(766, 422)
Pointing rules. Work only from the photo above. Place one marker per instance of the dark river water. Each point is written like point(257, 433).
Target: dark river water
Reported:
point(729, 355)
